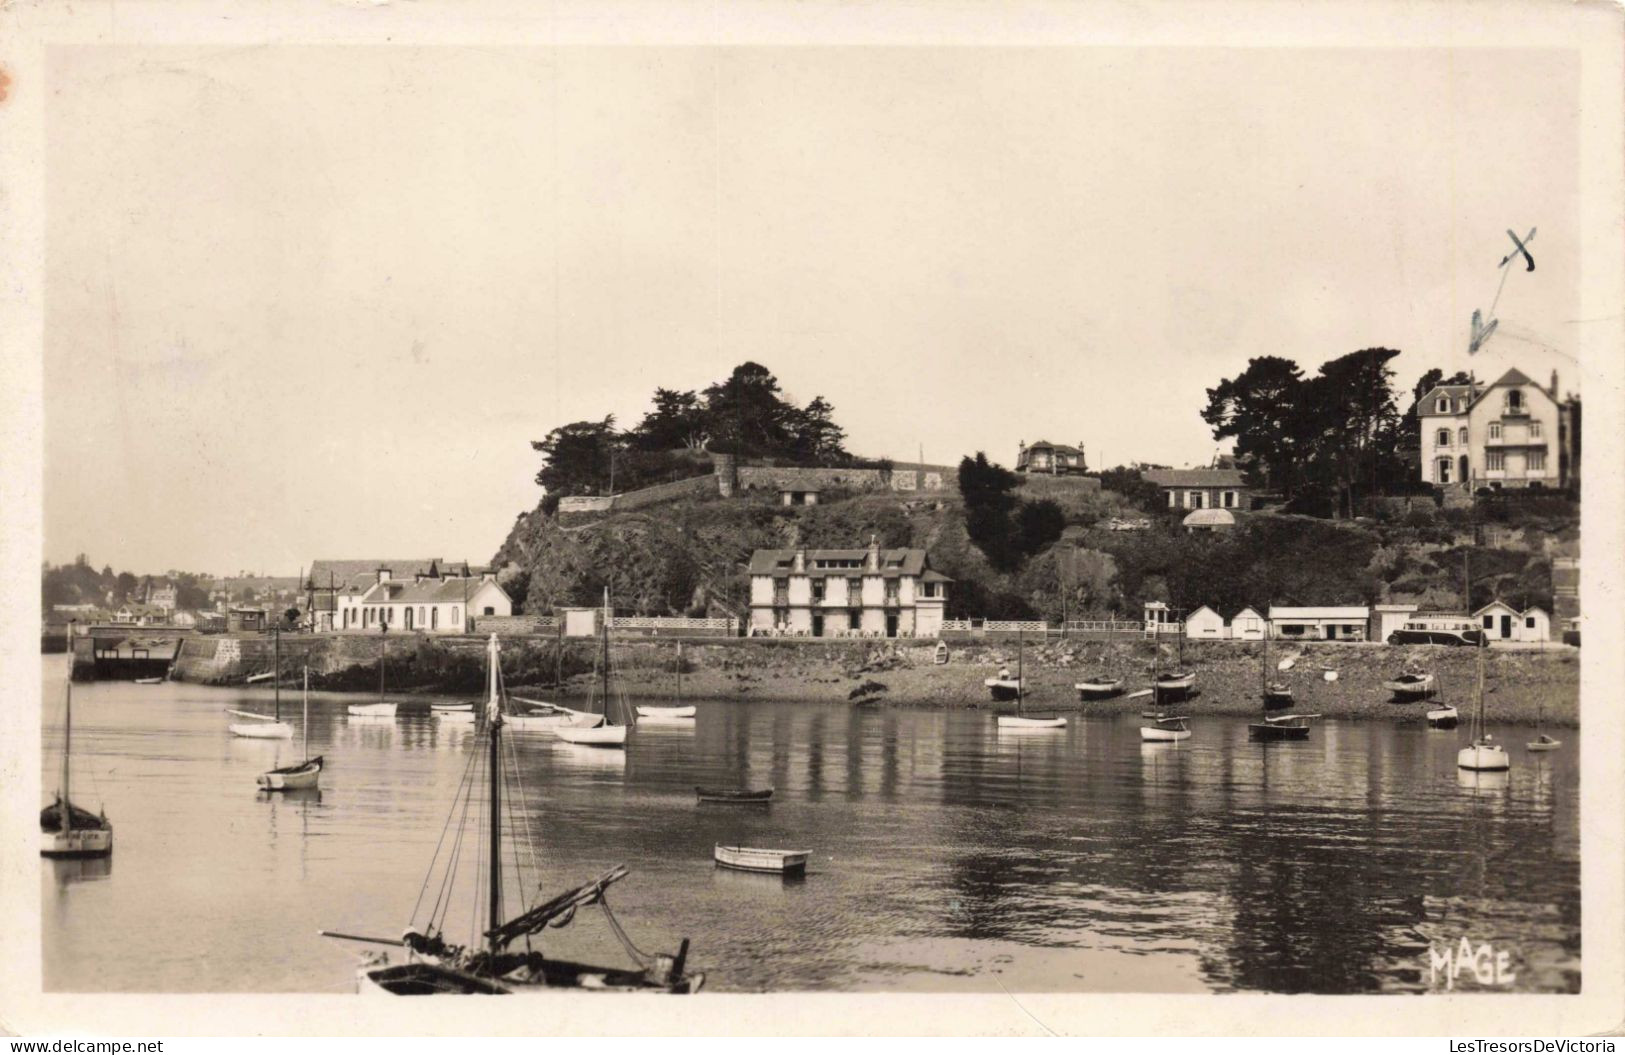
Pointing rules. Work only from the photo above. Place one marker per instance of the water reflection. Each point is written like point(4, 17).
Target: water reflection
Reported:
point(946, 854)
point(68, 870)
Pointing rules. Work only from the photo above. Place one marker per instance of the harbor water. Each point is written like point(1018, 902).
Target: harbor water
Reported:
point(946, 855)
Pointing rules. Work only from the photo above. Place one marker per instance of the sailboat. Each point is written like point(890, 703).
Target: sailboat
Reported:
point(306, 774)
point(507, 961)
point(678, 711)
point(383, 708)
point(1019, 720)
point(273, 727)
point(1099, 685)
point(1542, 742)
point(1175, 685)
point(1276, 695)
point(1002, 687)
point(1483, 754)
point(1168, 729)
point(66, 830)
point(608, 734)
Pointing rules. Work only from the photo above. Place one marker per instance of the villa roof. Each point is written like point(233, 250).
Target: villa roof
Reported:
point(428, 591)
point(1195, 477)
point(1061, 448)
point(344, 570)
point(893, 562)
point(1331, 612)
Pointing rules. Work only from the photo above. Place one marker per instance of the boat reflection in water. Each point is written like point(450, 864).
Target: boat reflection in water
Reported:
point(1484, 779)
point(68, 870)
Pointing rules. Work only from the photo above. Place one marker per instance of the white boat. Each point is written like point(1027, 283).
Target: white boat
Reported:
point(544, 715)
point(65, 829)
point(254, 678)
point(304, 775)
point(273, 727)
point(149, 681)
point(508, 960)
point(667, 712)
point(1543, 743)
point(1098, 687)
point(1483, 754)
point(1169, 729)
point(1409, 687)
point(1020, 720)
point(757, 859)
point(609, 733)
point(453, 712)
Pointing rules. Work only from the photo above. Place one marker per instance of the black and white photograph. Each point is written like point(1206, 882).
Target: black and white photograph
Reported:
point(1012, 514)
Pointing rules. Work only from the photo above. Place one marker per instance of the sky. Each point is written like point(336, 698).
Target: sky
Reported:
point(315, 302)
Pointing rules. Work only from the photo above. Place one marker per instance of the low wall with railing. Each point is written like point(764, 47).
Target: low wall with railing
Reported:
point(673, 626)
point(1009, 629)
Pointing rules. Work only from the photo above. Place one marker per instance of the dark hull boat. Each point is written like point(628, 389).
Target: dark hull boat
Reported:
point(1410, 687)
point(1175, 686)
point(1099, 688)
point(1285, 727)
point(65, 829)
point(1277, 698)
point(734, 796)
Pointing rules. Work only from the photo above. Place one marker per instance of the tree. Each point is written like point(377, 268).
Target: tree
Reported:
point(1351, 416)
point(745, 412)
point(1262, 409)
point(679, 419)
point(579, 457)
point(989, 504)
point(1129, 483)
point(1038, 524)
point(814, 436)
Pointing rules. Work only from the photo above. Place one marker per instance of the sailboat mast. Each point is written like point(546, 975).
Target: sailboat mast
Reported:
point(276, 678)
point(494, 720)
point(1021, 687)
point(304, 722)
point(604, 665)
point(383, 653)
point(66, 824)
point(1264, 672)
point(679, 672)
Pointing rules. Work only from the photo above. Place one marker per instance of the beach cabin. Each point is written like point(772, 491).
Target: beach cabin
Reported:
point(1247, 625)
point(1386, 618)
point(1501, 622)
point(1333, 623)
point(1206, 624)
point(1159, 619)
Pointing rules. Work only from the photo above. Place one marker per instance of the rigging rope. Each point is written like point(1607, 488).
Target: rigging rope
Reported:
point(443, 899)
point(641, 958)
point(451, 812)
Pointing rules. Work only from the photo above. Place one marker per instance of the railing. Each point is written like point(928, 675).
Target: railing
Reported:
point(1105, 626)
point(1080, 626)
point(671, 622)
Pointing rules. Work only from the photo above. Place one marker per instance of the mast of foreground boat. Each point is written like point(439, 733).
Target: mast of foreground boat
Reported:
point(65, 824)
point(1264, 672)
point(1021, 687)
point(494, 722)
point(679, 673)
point(276, 679)
point(304, 721)
point(604, 660)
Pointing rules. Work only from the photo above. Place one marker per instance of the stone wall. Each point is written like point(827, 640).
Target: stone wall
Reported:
point(910, 477)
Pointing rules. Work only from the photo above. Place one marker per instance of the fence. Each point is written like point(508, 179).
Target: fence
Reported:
point(1006, 628)
point(674, 624)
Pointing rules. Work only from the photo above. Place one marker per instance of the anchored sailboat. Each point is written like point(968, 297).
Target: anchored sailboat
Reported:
point(1020, 720)
point(1483, 754)
point(383, 708)
point(1277, 695)
point(678, 711)
point(508, 961)
point(610, 733)
point(274, 728)
point(65, 829)
point(306, 774)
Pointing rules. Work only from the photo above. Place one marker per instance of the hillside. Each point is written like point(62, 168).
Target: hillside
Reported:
point(688, 556)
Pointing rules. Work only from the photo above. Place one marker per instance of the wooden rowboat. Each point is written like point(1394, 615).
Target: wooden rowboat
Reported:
point(272, 729)
point(736, 796)
point(1443, 718)
point(149, 681)
point(1003, 689)
point(1099, 687)
point(1543, 743)
point(1169, 729)
point(1408, 687)
point(1016, 721)
point(596, 736)
point(756, 859)
point(1281, 727)
point(667, 712)
point(293, 778)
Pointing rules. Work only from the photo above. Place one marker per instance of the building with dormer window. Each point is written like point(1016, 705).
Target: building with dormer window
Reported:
point(1056, 459)
point(1512, 433)
point(869, 592)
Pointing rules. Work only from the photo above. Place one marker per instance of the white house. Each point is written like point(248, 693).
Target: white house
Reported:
point(427, 603)
point(1506, 434)
point(1502, 622)
point(844, 592)
point(1386, 618)
point(1335, 623)
point(1206, 624)
point(1247, 625)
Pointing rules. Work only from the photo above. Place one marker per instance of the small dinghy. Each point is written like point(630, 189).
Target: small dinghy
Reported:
point(609, 733)
point(1175, 686)
point(756, 859)
point(1281, 727)
point(1483, 755)
point(1017, 721)
point(271, 729)
point(1443, 718)
point(544, 715)
point(734, 796)
point(372, 710)
point(1543, 743)
point(253, 679)
point(1408, 688)
point(1098, 687)
point(1169, 729)
point(149, 681)
point(667, 712)
point(453, 712)
point(1003, 689)
point(596, 736)
point(1277, 696)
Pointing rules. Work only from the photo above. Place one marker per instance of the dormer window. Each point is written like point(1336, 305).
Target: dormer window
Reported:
point(1514, 401)
point(1444, 406)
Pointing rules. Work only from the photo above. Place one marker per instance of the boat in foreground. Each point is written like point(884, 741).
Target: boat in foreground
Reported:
point(1167, 730)
point(1281, 727)
point(434, 966)
point(758, 859)
point(65, 829)
point(305, 775)
point(734, 796)
point(1483, 754)
point(608, 733)
point(383, 708)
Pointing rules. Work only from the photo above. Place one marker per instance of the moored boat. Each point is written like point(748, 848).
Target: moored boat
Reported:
point(667, 712)
point(305, 775)
point(1098, 687)
point(1483, 754)
point(758, 859)
point(271, 726)
point(453, 712)
point(65, 829)
point(734, 796)
point(1543, 743)
point(1017, 721)
point(594, 736)
point(608, 733)
point(1280, 727)
point(1407, 688)
point(1168, 729)
point(383, 708)
point(1443, 718)
point(1176, 685)
point(149, 681)
point(1003, 688)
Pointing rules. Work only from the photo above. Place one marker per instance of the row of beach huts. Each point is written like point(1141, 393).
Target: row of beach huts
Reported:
point(1393, 623)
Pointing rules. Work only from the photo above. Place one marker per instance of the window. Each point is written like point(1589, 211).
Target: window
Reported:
point(1536, 462)
point(1529, 621)
point(1442, 439)
point(852, 620)
point(422, 615)
point(1442, 471)
point(1514, 401)
point(1444, 406)
point(1495, 461)
point(1489, 622)
point(1230, 499)
point(434, 618)
point(1461, 436)
point(1534, 430)
point(1193, 500)
point(490, 611)
point(1495, 430)
point(818, 591)
point(456, 616)
point(854, 591)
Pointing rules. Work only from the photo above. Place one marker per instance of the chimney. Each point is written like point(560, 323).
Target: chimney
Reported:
point(1554, 384)
point(417, 579)
point(383, 574)
point(872, 562)
point(799, 563)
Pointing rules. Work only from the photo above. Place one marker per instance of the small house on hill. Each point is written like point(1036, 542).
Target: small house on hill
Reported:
point(1056, 459)
point(1502, 622)
point(1200, 488)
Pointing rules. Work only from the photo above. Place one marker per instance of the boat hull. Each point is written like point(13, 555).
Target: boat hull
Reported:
point(372, 710)
point(1543, 745)
point(1098, 690)
point(293, 778)
point(1175, 688)
point(429, 979)
point(263, 731)
point(729, 796)
point(667, 712)
point(77, 842)
point(1483, 758)
point(1012, 721)
point(1003, 689)
point(754, 859)
point(608, 736)
point(1446, 718)
point(1153, 735)
point(1270, 732)
point(1408, 691)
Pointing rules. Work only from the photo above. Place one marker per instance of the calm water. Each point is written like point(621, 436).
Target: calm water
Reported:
point(947, 856)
